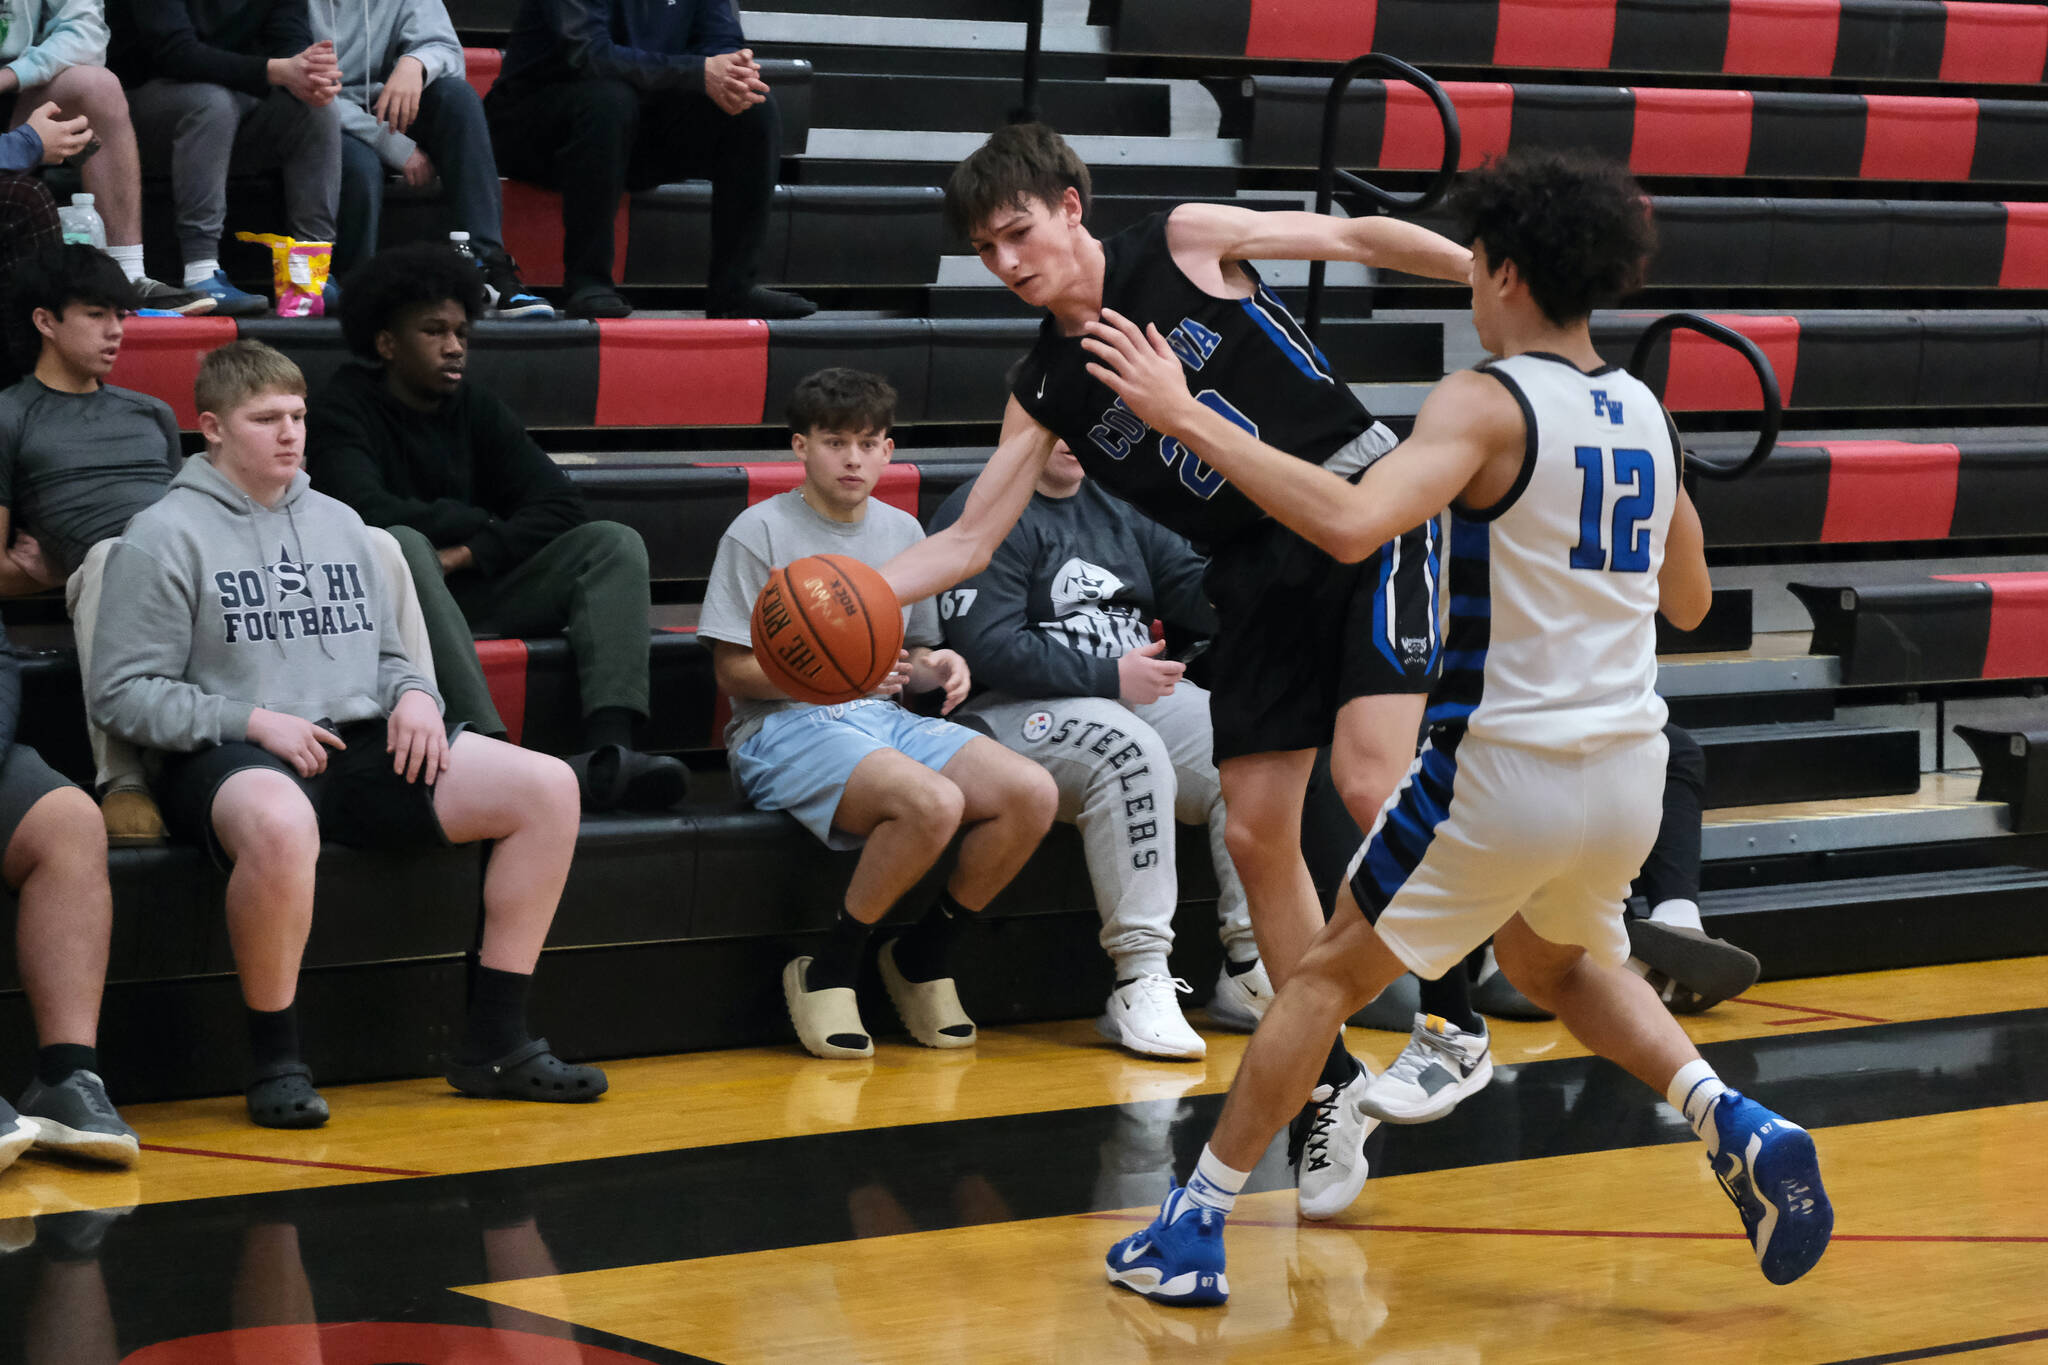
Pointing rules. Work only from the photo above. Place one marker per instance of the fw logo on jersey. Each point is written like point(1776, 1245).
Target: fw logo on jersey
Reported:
point(1603, 406)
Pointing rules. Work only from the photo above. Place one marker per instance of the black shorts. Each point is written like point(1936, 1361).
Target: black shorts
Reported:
point(24, 780)
point(359, 800)
point(1303, 634)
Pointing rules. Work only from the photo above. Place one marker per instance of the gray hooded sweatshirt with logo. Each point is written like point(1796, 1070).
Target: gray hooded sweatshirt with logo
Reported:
point(215, 605)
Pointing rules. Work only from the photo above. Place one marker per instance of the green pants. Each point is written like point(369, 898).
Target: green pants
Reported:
point(588, 584)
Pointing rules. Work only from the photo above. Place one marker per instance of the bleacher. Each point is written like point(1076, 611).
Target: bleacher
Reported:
point(1854, 184)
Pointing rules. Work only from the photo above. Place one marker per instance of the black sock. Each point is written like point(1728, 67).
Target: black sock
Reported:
point(1450, 999)
point(497, 1014)
point(838, 962)
point(609, 725)
point(273, 1035)
point(1338, 1067)
point(1236, 968)
point(924, 951)
point(55, 1063)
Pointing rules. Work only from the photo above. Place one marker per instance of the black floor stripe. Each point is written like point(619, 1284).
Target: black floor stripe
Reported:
point(1954, 1348)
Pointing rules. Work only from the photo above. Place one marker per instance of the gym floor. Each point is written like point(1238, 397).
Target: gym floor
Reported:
point(760, 1206)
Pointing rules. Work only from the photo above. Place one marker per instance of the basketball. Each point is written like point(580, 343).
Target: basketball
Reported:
point(827, 629)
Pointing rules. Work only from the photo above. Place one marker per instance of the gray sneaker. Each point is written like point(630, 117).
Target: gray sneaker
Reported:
point(76, 1118)
point(170, 298)
point(17, 1135)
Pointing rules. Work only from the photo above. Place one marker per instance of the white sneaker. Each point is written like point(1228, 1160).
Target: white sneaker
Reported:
point(1143, 1016)
point(1333, 1165)
point(1240, 1001)
point(1441, 1065)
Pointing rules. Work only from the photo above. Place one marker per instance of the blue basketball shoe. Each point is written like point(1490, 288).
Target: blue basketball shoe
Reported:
point(1178, 1259)
point(1768, 1167)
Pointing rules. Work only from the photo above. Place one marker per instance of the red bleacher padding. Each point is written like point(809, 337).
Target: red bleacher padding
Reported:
point(897, 486)
point(2018, 645)
point(2026, 247)
point(533, 230)
point(1994, 42)
point(1918, 137)
point(481, 66)
point(1782, 37)
point(1312, 30)
point(161, 356)
point(681, 372)
point(504, 665)
point(1889, 490)
point(1706, 376)
point(1564, 33)
point(1414, 137)
point(1691, 132)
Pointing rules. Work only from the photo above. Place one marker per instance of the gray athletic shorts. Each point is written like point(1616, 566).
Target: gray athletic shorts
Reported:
point(24, 780)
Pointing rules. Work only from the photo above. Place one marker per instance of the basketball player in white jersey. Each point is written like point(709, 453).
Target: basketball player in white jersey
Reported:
point(1538, 793)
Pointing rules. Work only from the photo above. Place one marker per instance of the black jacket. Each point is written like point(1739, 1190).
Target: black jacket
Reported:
point(465, 475)
point(224, 42)
point(649, 44)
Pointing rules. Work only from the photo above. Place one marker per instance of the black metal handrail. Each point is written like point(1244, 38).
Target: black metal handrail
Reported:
point(1034, 35)
point(1766, 378)
point(1328, 174)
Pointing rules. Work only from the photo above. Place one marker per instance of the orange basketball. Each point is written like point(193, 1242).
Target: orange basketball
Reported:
point(827, 629)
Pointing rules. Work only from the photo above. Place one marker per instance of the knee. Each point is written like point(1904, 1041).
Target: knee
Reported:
point(1032, 795)
point(1365, 780)
point(98, 91)
point(932, 805)
point(69, 837)
point(1255, 843)
point(417, 549)
point(614, 546)
point(555, 794)
point(608, 108)
point(450, 97)
point(211, 108)
point(279, 839)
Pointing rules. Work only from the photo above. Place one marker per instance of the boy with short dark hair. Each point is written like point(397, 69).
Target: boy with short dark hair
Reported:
point(866, 774)
point(249, 639)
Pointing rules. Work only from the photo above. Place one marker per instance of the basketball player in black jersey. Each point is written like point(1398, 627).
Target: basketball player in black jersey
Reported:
point(1311, 652)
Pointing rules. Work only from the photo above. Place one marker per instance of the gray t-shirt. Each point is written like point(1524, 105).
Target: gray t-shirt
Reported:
point(75, 468)
point(775, 532)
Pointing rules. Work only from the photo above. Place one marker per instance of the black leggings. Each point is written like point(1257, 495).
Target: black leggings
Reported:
point(1672, 871)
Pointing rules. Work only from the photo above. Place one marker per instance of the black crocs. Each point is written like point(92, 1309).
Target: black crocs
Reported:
point(613, 777)
point(281, 1095)
point(528, 1072)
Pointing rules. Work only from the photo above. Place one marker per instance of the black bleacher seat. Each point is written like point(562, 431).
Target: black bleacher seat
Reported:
point(2014, 765)
point(1948, 628)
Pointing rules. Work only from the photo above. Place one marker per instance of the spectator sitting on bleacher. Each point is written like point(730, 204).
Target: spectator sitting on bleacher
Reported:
point(28, 227)
point(598, 97)
point(407, 111)
point(245, 634)
point(55, 54)
point(866, 774)
point(55, 864)
point(498, 538)
point(220, 86)
point(78, 459)
point(1062, 616)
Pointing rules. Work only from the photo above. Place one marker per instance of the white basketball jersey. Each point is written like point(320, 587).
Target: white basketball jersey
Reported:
point(1551, 642)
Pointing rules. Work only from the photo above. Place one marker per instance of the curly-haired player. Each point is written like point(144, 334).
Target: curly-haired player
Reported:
point(1537, 793)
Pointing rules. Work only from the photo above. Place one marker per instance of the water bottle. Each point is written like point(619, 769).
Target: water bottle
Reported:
point(459, 243)
point(81, 222)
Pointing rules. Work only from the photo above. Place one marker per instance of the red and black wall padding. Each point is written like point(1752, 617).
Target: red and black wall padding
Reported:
point(1948, 628)
point(1837, 492)
point(1894, 40)
point(1722, 133)
point(533, 685)
point(1850, 243)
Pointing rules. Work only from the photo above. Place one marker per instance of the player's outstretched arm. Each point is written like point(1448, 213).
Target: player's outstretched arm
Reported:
point(1000, 493)
point(1468, 422)
point(739, 673)
point(1684, 591)
point(1218, 232)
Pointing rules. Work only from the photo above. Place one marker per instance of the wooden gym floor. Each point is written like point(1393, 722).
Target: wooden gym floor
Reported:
point(762, 1206)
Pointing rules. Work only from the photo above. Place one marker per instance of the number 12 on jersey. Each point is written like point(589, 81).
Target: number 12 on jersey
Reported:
point(1634, 474)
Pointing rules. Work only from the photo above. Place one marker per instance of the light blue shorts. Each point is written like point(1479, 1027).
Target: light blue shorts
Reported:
point(800, 759)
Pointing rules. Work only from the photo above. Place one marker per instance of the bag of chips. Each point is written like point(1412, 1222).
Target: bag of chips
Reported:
point(298, 270)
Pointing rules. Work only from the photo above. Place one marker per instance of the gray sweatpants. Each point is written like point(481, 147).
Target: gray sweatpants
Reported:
point(1124, 774)
point(200, 132)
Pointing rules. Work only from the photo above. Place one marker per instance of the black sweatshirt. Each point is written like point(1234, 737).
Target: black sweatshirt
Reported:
point(1071, 589)
point(467, 474)
point(224, 42)
point(649, 44)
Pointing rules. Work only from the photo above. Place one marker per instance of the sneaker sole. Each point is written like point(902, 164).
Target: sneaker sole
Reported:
point(14, 1143)
point(1796, 1241)
point(1196, 1289)
point(1130, 1042)
point(537, 310)
point(1332, 1201)
point(1712, 970)
point(1440, 1104)
point(115, 1150)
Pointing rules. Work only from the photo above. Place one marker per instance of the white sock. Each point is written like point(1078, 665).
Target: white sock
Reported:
point(1214, 1185)
point(1680, 914)
point(130, 259)
point(1693, 1092)
point(199, 272)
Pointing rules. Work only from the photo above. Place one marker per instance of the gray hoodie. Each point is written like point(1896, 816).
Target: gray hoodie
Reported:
point(215, 605)
point(369, 38)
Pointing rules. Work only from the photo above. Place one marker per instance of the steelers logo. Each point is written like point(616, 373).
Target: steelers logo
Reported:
point(1037, 726)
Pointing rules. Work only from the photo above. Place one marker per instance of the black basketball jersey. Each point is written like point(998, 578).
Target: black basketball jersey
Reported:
point(1246, 358)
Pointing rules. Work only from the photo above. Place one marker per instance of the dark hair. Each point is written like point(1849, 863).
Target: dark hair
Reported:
point(1018, 163)
point(1578, 228)
point(417, 275)
point(55, 279)
point(842, 400)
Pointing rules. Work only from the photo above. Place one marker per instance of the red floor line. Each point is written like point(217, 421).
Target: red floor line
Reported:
point(1616, 1233)
point(1803, 1019)
point(281, 1160)
point(1807, 1009)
